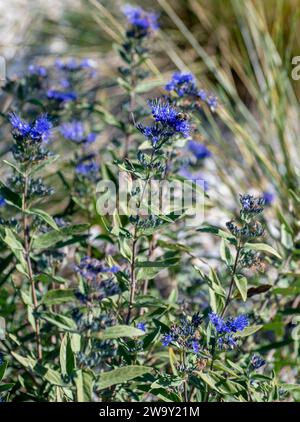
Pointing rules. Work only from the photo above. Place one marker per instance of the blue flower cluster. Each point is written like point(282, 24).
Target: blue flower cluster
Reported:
point(257, 362)
point(142, 23)
point(71, 74)
point(37, 70)
point(268, 197)
point(168, 123)
point(61, 96)
point(99, 278)
point(226, 328)
point(185, 334)
point(251, 206)
point(30, 138)
point(2, 202)
point(200, 151)
point(91, 268)
point(87, 167)
point(184, 85)
point(37, 131)
point(75, 132)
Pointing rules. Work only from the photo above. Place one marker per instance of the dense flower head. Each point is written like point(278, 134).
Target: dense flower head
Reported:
point(164, 113)
point(200, 151)
point(226, 328)
point(61, 96)
point(38, 130)
point(268, 197)
point(91, 268)
point(99, 278)
point(182, 84)
point(75, 132)
point(251, 205)
point(185, 334)
point(141, 326)
point(257, 362)
point(87, 167)
point(2, 202)
point(37, 70)
point(72, 65)
point(142, 22)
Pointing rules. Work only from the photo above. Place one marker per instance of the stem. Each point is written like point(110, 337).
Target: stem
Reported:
point(133, 255)
point(185, 385)
point(131, 100)
point(228, 299)
point(133, 280)
point(26, 229)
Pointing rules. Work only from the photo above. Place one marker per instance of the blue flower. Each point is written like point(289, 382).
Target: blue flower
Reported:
point(61, 96)
point(218, 323)
point(167, 339)
point(196, 346)
point(166, 114)
point(141, 326)
point(41, 128)
point(225, 328)
point(2, 202)
point(268, 197)
point(19, 125)
point(75, 132)
point(1, 358)
point(90, 268)
point(182, 84)
point(36, 70)
point(38, 130)
point(196, 177)
point(143, 23)
point(212, 102)
point(257, 362)
point(87, 167)
point(238, 324)
point(200, 151)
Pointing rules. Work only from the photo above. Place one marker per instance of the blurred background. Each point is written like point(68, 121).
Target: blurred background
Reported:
point(241, 50)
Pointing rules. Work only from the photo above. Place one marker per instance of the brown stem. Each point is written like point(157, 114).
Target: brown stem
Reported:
point(26, 229)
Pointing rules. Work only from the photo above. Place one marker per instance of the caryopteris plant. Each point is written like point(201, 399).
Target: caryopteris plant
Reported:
point(108, 292)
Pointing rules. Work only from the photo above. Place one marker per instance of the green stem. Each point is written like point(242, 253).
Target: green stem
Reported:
point(27, 242)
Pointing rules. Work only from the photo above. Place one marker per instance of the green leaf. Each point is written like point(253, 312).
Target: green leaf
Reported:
point(84, 385)
point(10, 196)
point(263, 248)
point(118, 331)
point(2, 370)
point(48, 374)
point(225, 253)
point(218, 232)
point(157, 264)
point(55, 297)
point(49, 239)
point(44, 216)
point(60, 321)
point(121, 375)
point(66, 356)
point(248, 331)
point(241, 284)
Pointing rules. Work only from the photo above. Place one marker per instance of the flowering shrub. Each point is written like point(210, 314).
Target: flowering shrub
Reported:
point(126, 306)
